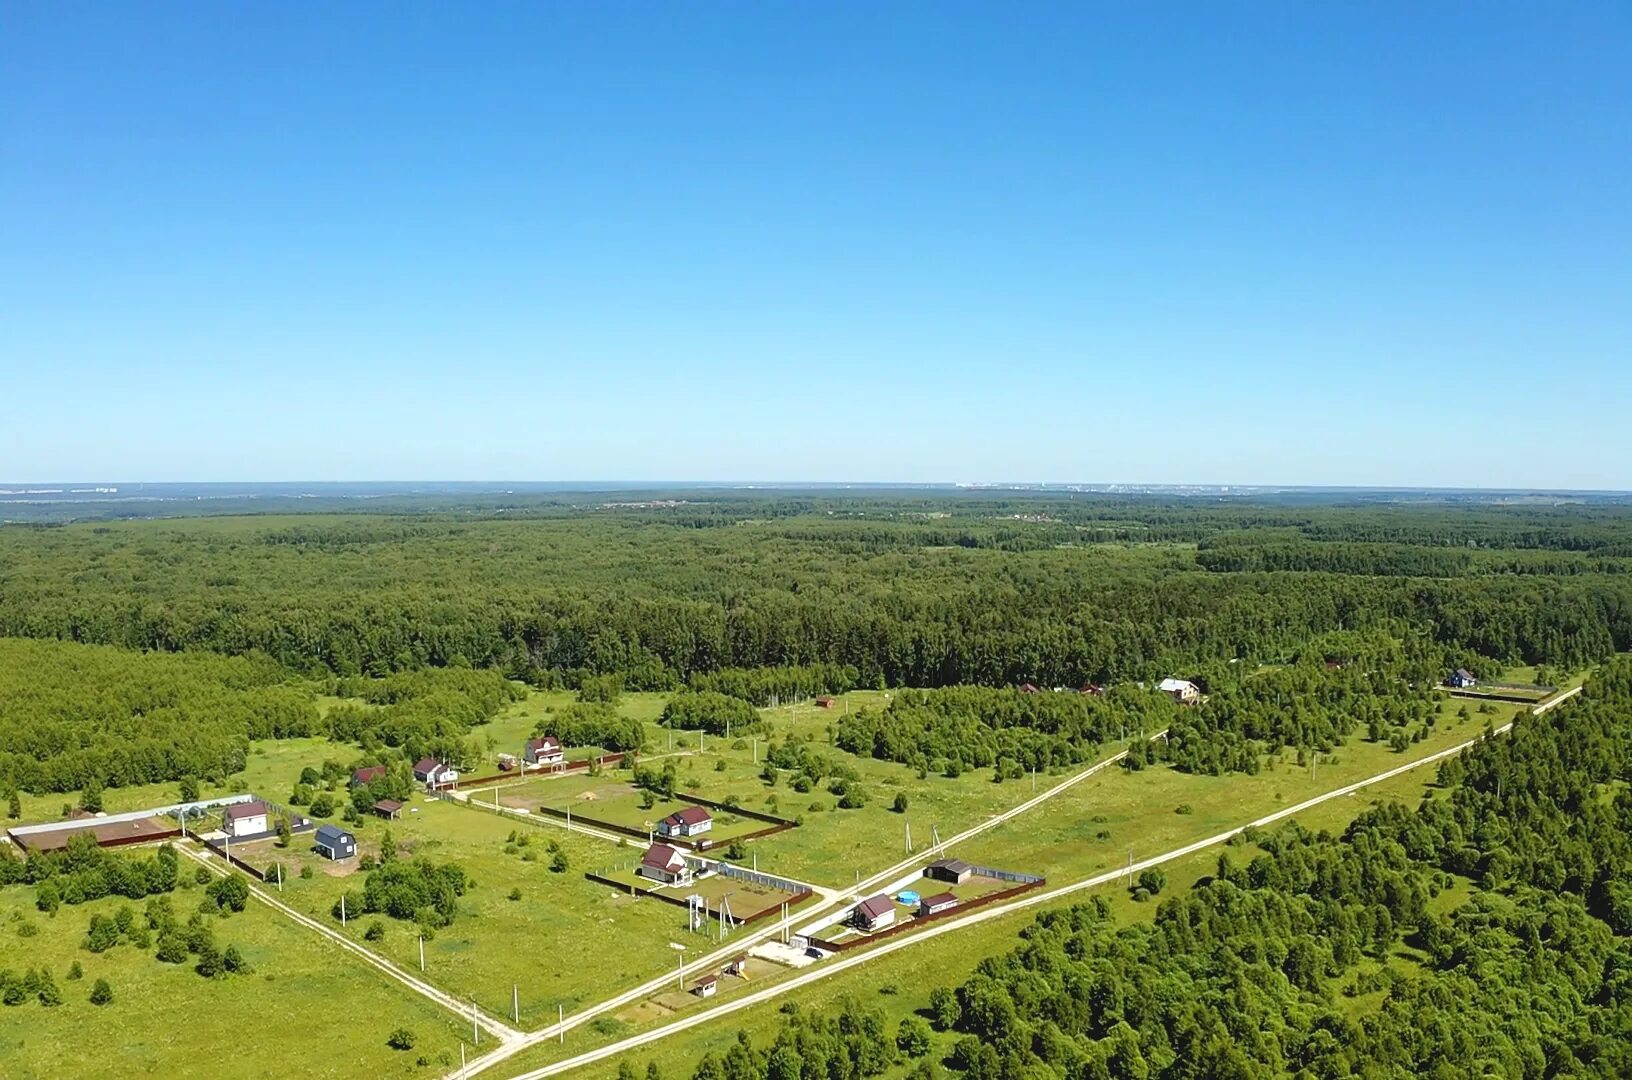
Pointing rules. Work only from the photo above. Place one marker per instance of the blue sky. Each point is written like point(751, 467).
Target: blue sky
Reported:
point(1232, 243)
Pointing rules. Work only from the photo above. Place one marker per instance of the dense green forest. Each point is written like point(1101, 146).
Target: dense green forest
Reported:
point(925, 592)
point(73, 716)
point(1327, 956)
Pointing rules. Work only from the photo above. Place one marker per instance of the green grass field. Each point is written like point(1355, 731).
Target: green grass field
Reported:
point(566, 941)
point(167, 1021)
point(613, 800)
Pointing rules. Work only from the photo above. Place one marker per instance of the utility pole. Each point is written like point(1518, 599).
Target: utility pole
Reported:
point(1130, 866)
point(515, 1002)
point(909, 838)
point(342, 911)
point(476, 1031)
point(561, 1020)
point(422, 952)
point(280, 877)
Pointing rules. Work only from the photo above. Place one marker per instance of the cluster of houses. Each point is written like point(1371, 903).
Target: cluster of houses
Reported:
point(663, 863)
point(880, 912)
point(253, 820)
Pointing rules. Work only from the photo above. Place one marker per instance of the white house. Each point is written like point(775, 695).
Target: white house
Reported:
point(875, 913)
point(432, 773)
point(1180, 690)
point(688, 822)
point(247, 819)
point(662, 863)
point(545, 751)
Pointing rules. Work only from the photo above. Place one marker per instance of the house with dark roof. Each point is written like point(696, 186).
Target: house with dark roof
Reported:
point(662, 863)
point(333, 842)
point(544, 751)
point(934, 905)
point(247, 819)
point(686, 822)
point(826, 701)
point(390, 809)
point(874, 913)
point(432, 773)
point(367, 775)
point(706, 986)
point(952, 871)
point(1462, 678)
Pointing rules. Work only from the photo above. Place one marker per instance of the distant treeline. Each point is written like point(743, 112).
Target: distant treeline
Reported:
point(916, 592)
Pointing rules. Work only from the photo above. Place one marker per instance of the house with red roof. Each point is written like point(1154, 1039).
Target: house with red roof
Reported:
point(662, 863)
point(367, 775)
point(874, 913)
point(687, 822)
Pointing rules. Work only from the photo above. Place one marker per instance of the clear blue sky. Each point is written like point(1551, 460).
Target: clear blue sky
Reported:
point(1222, 242)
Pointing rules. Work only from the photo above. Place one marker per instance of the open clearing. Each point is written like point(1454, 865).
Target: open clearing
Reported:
point(167, 1021)
point(566, 941)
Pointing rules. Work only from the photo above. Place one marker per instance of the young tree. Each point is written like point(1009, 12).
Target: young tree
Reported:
point(90, 796)
point(101, 993)
point(14, 805)
point(558, 862)
point(900, 804)
point(400, 1039)
point(189, 793)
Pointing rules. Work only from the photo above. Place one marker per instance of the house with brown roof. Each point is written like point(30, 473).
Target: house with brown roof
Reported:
point(826, 701)
point(874, 913)
point(952, 871)
point(662, 863)
point(544, 751)
point(247, 819)
point(433, 773)
point(934, 905)
point(686, 822)
point(706, 986)
point(390, 809)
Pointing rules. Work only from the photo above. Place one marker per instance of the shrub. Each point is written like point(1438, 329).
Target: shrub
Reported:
point(75, 971)
point(900, 804)
point(375, 931)
point(231, 892)
point(1153, 881)
point(515, 894)
point(101, 993)
point(400, 1039)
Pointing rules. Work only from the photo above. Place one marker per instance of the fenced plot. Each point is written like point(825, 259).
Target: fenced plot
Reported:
point(748, 900)
point(621, 807)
